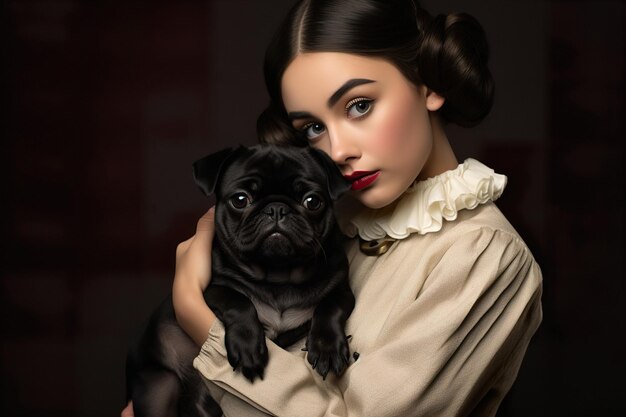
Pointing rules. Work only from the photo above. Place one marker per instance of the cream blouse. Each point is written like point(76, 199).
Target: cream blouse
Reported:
point(441, 322)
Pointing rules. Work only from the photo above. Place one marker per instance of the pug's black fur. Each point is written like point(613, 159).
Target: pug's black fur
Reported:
point(278, 270)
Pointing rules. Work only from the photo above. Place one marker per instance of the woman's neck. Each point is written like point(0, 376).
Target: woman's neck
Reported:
point(442, 156)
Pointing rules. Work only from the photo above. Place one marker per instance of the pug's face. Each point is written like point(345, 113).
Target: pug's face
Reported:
point(274, 203)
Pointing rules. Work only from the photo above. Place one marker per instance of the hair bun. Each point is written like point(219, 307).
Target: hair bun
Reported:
point(272, 128)
point(452, 61)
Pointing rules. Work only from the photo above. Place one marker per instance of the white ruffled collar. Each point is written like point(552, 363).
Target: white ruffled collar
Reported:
point(424, 205)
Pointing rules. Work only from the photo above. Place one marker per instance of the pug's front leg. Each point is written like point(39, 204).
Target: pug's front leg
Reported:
point(327, 344)
point(245, 337)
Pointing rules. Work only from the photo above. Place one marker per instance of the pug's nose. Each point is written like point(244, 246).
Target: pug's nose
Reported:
point(277, 211)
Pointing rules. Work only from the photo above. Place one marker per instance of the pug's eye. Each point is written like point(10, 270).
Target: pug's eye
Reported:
point(240, 201)
point(312, 202)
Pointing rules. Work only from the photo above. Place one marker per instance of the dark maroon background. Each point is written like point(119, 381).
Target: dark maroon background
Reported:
point(107, 104)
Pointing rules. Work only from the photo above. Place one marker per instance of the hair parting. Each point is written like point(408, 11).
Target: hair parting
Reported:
point(447, 53)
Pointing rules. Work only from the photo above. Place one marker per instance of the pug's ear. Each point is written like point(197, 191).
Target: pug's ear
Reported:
point(207, 171)
point(337, 184)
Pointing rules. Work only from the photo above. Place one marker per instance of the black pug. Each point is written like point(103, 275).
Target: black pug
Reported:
point(278, 270)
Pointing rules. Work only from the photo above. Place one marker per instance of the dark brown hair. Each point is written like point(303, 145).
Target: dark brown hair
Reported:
point(447, 53)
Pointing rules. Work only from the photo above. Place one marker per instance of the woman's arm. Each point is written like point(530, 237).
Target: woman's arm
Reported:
point(193, 274)
point(454, 351)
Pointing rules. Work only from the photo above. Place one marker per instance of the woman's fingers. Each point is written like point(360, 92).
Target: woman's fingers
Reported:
point(206, 224)
point(192, 277)
point(204, 230)
point(128, 410)
point(183, 246)
point(202, 241)
point(193, 256)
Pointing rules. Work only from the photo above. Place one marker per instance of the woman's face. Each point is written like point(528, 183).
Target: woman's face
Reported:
point(372, 121)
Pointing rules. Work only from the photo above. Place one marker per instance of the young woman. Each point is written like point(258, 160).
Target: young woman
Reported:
point(447, 293)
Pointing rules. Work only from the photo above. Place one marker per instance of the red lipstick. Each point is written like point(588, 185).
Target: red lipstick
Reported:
point(362, 179)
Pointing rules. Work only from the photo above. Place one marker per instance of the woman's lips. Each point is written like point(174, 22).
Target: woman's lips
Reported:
point(362, 179)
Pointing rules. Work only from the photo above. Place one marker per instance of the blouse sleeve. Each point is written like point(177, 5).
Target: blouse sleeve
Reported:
point(454, 351)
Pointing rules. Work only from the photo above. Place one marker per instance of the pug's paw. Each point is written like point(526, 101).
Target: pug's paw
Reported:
point(328, 350)
point(246, 349)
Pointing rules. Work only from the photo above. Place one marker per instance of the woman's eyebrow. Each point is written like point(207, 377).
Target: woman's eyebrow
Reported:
point(348, 85)
point(299, 115)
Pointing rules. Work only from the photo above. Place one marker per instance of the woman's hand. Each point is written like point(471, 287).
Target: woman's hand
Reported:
point(193, 274)
point(128, 410)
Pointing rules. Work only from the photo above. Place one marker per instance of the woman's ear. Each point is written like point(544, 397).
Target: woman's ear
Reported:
point(433, 100)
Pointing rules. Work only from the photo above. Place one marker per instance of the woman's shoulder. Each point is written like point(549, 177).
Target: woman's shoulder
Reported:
point(478, 248)
point(481, 242)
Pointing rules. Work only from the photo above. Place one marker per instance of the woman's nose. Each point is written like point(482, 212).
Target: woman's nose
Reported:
point(342, 148)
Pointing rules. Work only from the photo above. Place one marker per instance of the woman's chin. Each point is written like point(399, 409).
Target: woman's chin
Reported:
point(374, 198)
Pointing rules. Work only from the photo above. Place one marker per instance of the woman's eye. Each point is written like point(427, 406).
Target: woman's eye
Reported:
point(313, 130)
point(358, 107)
point(240, 201)
point(312, 202)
